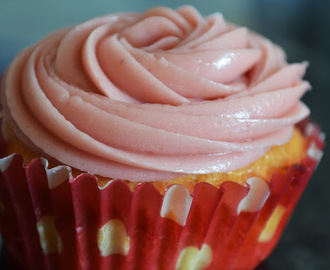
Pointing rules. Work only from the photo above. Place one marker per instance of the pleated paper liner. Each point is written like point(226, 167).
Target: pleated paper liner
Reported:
point(51, 221)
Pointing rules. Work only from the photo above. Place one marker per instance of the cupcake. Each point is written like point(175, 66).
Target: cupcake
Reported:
point(156, 140)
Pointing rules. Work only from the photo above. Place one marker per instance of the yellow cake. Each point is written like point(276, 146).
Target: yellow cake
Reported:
point(277, 159)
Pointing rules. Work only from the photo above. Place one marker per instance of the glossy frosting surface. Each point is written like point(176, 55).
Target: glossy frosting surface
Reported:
point(154, 95)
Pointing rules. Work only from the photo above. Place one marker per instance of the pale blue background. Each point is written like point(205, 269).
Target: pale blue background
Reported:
point(302, 27)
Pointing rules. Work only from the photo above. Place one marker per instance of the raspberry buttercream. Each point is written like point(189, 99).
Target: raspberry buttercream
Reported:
point(154, 95)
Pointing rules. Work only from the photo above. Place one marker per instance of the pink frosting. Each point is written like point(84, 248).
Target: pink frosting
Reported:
point(155, 95)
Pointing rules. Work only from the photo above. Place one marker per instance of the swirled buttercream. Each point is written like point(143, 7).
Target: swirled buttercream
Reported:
point(150, 96)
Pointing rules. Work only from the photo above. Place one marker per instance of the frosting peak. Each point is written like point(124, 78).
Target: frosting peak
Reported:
point(154, 95)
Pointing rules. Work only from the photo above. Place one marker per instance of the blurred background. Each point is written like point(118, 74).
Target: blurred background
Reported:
point(301, 27)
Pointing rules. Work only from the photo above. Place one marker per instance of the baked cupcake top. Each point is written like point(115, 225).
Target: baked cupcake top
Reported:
point(154, 95)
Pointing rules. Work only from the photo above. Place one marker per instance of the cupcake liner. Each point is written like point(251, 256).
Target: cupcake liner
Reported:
point(50, 220)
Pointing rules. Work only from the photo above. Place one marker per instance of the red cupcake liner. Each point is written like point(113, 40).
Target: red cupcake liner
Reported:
point(50, 220)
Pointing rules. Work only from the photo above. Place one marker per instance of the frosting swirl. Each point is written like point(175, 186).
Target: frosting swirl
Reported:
point(154, 95)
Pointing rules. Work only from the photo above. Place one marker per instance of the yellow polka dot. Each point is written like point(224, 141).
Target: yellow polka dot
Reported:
point(272, 224)
point(193, 258)
point(50, 241)
point(113, 239)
